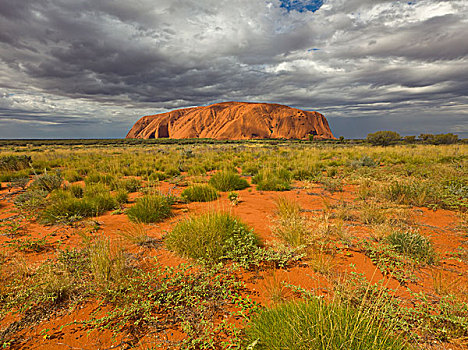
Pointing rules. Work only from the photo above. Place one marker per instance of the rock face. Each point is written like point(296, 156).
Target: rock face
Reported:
point(233, 121)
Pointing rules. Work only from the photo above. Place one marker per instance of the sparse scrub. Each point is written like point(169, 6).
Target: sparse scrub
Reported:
point(151, 208)
point(200, 193)
point(14, 163)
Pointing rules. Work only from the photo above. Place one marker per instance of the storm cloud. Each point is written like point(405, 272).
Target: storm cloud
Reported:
point(91, 68)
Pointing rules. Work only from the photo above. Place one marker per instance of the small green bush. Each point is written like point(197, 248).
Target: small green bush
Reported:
point(212, 237)
point(228, 181)
point(317, 325)
point(200, 193)
point(150, 208)
point(414, 245)
point(64, 208)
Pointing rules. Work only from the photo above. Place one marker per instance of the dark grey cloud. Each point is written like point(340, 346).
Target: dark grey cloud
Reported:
point(95, 66)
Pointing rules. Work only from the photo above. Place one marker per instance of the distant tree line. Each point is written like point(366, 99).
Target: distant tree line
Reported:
point(386, 138)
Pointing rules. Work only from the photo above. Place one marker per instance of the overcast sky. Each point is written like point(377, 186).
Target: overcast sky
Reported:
point(92, 68)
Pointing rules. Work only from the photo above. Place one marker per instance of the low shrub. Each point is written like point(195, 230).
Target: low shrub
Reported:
point(212, 237)
point(122, 196)
point(14, 163)
point(228, 181)
point(63, 207)
point(314, 324)
point(200, 193)
point(48, 182)
point(30, 200)
point(150, 208)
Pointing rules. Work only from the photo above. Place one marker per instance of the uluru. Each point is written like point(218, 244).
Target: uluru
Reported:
point(233, 121)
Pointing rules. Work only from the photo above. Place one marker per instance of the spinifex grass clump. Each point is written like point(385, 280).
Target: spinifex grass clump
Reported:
point(269, 180)
point(151, 208)
point(228, 181)
point(414, 245)
point(200, 193)
point(314, 324)
point(64, 207)
point(212, 237)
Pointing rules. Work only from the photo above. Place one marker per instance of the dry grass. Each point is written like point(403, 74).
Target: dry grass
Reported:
point(290, 224)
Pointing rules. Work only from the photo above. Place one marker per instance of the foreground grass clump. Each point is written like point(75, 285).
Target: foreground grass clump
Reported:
point(200, 193)
point(212, 237)
point(228, 181)
point(151, 208)
point(315, 325)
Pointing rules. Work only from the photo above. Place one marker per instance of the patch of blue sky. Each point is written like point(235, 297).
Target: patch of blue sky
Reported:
point(301, 5)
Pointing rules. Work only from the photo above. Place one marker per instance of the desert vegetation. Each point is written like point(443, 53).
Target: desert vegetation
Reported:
point(198, 244)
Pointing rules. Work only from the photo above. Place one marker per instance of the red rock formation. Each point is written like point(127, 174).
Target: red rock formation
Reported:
point(234, 121)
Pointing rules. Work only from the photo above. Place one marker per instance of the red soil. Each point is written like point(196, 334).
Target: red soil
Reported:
point(256, 209)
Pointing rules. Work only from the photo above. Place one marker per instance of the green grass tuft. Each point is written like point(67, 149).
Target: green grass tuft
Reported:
point(317, 325)
point(414, 245)
point(212, 237)
point(228, 181)
point(200, 193)
point(151, 208)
